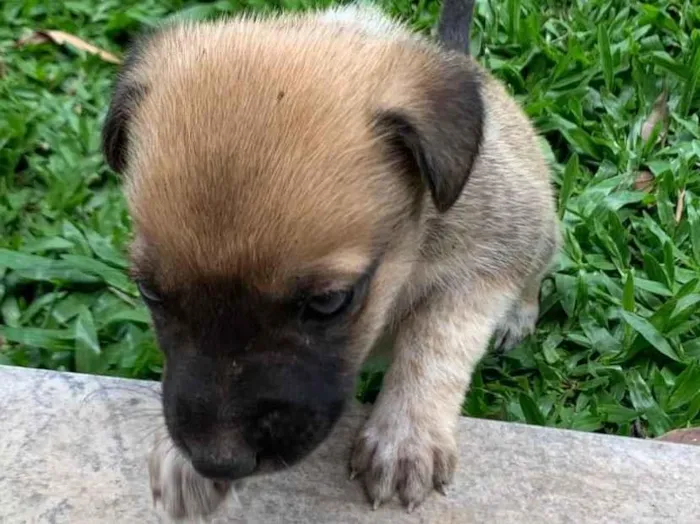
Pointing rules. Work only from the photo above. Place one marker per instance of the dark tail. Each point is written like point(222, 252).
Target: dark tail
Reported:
point(454, 27)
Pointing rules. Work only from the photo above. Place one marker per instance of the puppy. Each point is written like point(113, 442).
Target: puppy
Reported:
point(300, 185)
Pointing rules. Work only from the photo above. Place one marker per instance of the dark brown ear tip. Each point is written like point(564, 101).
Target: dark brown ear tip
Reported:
point(126, 96)
point(112, 141)
point(443, 142)
point(115, 130)
point(443, 203)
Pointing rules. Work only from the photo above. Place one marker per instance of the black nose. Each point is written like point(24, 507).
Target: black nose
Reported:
point(240, 463)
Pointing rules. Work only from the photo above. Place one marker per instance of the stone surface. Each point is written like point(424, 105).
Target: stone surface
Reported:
point(73, 448)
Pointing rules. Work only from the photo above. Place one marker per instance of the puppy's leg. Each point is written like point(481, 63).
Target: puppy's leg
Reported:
point(408, 444)
point(182, 492)
point(521, 319)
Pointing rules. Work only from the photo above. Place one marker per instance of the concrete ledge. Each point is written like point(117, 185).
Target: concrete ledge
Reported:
point(73, 448)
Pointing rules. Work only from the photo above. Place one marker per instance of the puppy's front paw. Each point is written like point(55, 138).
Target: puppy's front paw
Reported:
point(181, 491)
point(404, 457)
point(518, 324)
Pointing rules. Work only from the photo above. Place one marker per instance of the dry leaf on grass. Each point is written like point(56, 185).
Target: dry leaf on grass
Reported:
point(62, 38)
point(644, 181)
point(31, 38)
point(659, 113)
point(679, 206)
point(682, 436)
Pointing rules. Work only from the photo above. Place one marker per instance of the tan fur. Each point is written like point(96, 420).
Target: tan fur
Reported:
point(274, 134)
point(223, 185)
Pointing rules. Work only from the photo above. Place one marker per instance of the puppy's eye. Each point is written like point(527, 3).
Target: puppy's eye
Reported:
point(148, 294)
point(329, 304)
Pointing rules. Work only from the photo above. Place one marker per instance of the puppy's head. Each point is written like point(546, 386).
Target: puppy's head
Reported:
point(278, 175)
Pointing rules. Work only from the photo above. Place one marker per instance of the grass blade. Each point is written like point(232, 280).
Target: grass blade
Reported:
point(87, 345)
point(51, 339)
point(628, 293)
point(644, 402)
point(693, 74)
point(687, 387)
point(571, 174)
point(606, 61)
point(532, 412)
point(107, 274)
point(650, 334)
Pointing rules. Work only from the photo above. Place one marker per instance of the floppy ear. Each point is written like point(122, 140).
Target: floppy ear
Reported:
point(440, 139)
point(126, 95)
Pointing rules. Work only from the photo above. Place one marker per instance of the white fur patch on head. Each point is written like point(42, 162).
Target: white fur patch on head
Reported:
point(367, 19)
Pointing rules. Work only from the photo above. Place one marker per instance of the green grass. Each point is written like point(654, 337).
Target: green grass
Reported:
point(618, 344)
